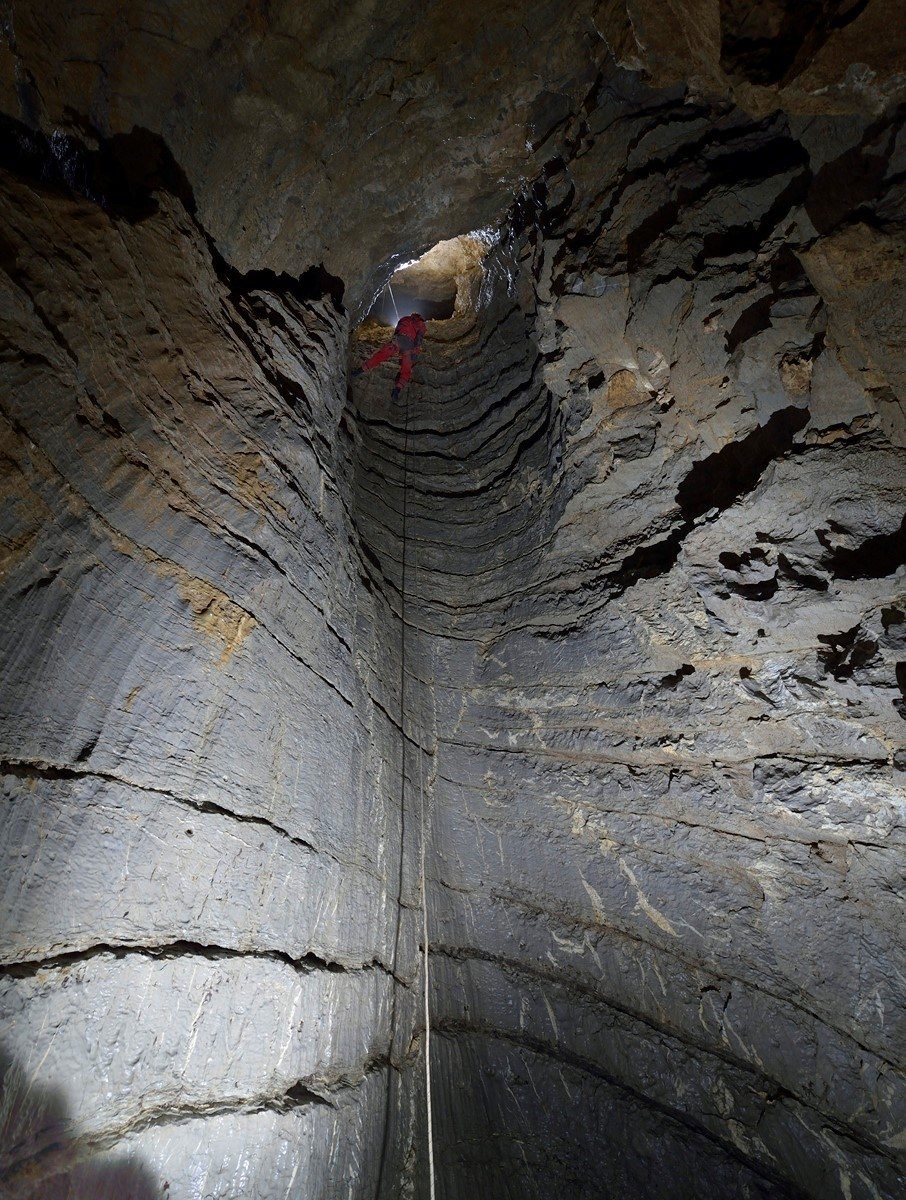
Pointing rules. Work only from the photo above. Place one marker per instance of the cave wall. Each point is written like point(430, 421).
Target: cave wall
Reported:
point(200, 759)
point(656, 575)
point(345, 134)
point(640, 520)
point(357, 135)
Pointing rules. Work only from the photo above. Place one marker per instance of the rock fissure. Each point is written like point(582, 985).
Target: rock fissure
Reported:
point(65, 960)
point(29, 769)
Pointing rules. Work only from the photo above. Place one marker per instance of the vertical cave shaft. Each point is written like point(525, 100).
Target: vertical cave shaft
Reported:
point(583, 659)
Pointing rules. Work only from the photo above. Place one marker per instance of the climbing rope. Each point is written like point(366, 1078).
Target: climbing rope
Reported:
point(421, 790)
point(422, 839)
point(424, 893)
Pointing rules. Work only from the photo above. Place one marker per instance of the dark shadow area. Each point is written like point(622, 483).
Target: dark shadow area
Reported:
point(771, 42)
point(875, 558)
point(721, 478)
point(122, 176)
point(842, 186)
point(786, 280)
point(529, 1115)
point(310, 285)
point(846, 652)
point(900, 703)
point(37, 1134)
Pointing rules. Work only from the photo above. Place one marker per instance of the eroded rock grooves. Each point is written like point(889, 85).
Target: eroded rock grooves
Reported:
point(651, 680)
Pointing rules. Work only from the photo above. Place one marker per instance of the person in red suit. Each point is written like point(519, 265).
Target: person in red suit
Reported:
point(406, 342)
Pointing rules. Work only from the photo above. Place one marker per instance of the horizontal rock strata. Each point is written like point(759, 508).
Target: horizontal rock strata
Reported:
point(200, 753)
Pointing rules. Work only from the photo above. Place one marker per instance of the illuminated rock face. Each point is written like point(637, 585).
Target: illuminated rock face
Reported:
point(651, 673)
point(202, 834)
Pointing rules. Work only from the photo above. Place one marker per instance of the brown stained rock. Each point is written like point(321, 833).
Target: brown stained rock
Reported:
point(246, 468)
point(796, 374)
point(449, 272)
point(677, 42)
point(625, 391)
point(860, 274)
point(217, 616)
point(860, 67)
point(214, 613)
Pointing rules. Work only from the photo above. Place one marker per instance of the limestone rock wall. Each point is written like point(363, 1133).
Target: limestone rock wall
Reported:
point(347, 134)
point(200, 758)
point(605, 622)
point(656, 576)
point(359, 134)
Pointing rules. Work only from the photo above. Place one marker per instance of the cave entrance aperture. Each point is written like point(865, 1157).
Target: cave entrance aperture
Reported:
point(442, 283)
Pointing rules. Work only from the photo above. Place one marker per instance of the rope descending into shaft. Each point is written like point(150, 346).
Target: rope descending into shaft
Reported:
point(421, 790)
point(424, 894)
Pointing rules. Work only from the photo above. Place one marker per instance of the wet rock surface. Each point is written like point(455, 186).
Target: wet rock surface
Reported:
point(607, 612)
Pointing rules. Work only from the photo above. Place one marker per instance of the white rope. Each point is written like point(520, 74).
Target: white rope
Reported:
point(396, 311)
point(428, 1106)
point(421, 791)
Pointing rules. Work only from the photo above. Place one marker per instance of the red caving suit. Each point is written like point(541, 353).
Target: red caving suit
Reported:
point(406, 341)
